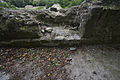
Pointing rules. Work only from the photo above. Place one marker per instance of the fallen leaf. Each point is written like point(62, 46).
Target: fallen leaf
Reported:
point(49, 74)
point(24, 54)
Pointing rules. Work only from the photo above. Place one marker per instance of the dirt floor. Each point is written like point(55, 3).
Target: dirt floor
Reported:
point(97, 62)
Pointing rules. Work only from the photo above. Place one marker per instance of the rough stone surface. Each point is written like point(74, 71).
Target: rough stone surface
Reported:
point(55, 7)
point(28, 6)
point(91, 22)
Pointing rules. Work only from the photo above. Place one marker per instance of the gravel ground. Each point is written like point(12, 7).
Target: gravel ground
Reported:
point(97, 62)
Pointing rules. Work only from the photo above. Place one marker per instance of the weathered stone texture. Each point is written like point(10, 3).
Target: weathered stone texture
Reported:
point(91, 22)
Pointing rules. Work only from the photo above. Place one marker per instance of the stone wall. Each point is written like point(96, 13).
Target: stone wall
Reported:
point(103, 25)
point(89, 23)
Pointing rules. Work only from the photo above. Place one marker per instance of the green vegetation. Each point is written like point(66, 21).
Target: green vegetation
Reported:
point(7, 5)
point(47, 3)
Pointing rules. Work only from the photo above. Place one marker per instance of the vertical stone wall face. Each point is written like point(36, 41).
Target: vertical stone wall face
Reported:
point(103, 22)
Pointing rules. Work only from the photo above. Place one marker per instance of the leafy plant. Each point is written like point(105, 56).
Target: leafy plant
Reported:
point(7, 5)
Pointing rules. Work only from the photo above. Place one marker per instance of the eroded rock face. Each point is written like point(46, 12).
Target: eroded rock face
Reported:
point(103, 25)
point(17, 25)
point(26, 28)
point(91, 22)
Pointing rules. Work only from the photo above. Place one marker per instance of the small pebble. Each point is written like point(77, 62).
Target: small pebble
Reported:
point(49, 29)
point(43, 31)
point(73, 48)
point(69, 59)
